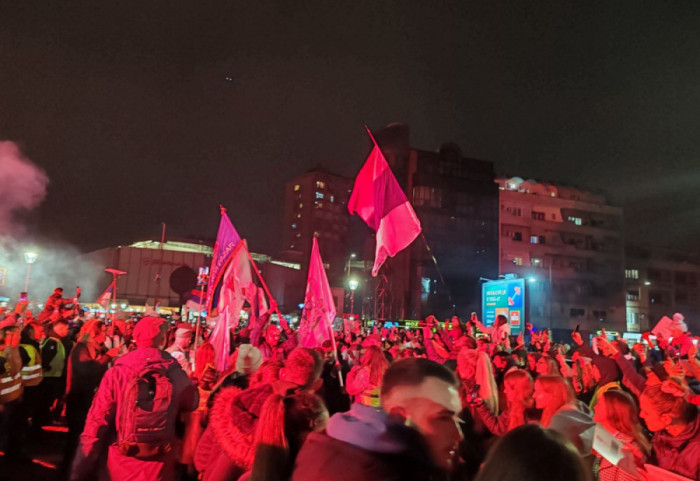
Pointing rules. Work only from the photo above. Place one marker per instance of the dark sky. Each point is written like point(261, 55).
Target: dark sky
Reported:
point(126, 106)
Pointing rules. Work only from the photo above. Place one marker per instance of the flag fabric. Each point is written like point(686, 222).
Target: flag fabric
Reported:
point(226, 241)
point(196, 302)
point(379, 200)
point(319, 307)
point(235, 282)
point(106, 296)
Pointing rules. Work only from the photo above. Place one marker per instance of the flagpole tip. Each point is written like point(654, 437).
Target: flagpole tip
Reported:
point(222, 209)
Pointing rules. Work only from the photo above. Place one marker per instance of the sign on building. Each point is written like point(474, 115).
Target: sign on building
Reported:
point(505, 297)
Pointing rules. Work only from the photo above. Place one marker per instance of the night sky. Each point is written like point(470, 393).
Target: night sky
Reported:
point(127, 107)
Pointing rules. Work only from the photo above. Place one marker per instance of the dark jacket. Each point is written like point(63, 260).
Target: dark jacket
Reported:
point(679, 454)
point(364, 445)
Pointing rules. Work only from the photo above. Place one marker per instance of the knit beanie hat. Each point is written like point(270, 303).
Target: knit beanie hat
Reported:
point(679, 322)
point(147, 329)
point(249, 359)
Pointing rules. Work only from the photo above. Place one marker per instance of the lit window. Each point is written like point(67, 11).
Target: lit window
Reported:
point(315, 233)
point(576, 220)
point(319, 205)
point(631, 273)
point(319, 195)
point(301, 205)
point(320, 184)
point(298, 236)
point(298, 216)
point(534, 239)
point(297, 187)
point(332, 199)
point(291, 246)
point(518, 261)
point(294, 226)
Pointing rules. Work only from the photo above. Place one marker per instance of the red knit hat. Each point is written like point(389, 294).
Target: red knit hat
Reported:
point(147, 329)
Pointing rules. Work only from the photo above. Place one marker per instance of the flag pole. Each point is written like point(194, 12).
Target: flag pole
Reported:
point(282, 320)
point(437, 268)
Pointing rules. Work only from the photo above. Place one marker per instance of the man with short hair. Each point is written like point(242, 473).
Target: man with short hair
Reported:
point(414, 436)
point(130, 400)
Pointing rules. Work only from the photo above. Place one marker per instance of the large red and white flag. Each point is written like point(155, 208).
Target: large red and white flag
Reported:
point(379, 200)
point(319, 307)
point(235, 281)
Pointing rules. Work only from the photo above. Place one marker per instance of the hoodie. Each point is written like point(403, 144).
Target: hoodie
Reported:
point(679, 454)
point(364, 444)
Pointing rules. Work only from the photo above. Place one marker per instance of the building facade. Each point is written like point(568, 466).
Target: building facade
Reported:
point(456, 200)
point(569, 244)
point(659, 283)
point(315, 205)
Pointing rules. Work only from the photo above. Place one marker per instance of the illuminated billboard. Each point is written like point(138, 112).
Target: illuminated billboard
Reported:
point(505, 297)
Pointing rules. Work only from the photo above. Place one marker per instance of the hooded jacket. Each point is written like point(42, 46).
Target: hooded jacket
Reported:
point(364, 444)
point(679, 454)
point(102, 424)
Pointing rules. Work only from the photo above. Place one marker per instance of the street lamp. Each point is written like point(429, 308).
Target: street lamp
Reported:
point(352, 283)
point(30, 258)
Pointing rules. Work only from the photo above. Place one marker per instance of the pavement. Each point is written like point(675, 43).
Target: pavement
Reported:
point(42, 457)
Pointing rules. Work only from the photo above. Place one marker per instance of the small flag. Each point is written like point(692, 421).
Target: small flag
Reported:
point(226, 241)
point(196, 302)
point(236, 279)
point(319, 307)
point(379, 200)
point(106, 296)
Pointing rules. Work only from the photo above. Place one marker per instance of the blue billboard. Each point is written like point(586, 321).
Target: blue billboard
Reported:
point(505, 297)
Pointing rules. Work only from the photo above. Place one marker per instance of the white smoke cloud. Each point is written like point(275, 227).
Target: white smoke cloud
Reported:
point(23, 187)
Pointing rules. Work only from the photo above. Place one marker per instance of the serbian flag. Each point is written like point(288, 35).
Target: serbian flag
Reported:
point(236, 281)
point(106, 296)
point(196, 302)
point(226, 241)
point(319, 307)
point(378, 198)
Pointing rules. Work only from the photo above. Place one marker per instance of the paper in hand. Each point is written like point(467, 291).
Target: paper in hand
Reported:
point(607, 445)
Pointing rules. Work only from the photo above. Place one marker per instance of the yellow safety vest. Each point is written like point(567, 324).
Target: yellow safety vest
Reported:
point(58, 363)
point(31, 373)
point(370, 397)
point(10, 384)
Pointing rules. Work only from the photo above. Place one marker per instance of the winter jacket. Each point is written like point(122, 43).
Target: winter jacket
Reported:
point(225, 450)
point(679, 454)
point(102, 423)
point(364, 445)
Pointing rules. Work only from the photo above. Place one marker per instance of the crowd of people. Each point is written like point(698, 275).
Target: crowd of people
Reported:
point(143, 400)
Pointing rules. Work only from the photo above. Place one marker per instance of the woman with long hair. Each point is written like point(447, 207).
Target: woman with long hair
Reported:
point(518, 388)
point(546, 366)
point(87, 363)
point(676, 426)
point(284, 423)
point(617, 412)
point(562, 412)
point(365, 380)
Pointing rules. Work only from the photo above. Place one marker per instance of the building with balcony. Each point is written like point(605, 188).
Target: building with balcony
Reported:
point(569, 244)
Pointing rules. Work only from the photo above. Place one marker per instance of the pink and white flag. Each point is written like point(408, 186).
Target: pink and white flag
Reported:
point(379, 200)
point(319, 307)
point(235, 281)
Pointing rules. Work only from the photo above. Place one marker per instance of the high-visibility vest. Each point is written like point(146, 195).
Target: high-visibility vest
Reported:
point(58, 363)
point(10, 384)
point(370, 397)
point(31, 373)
